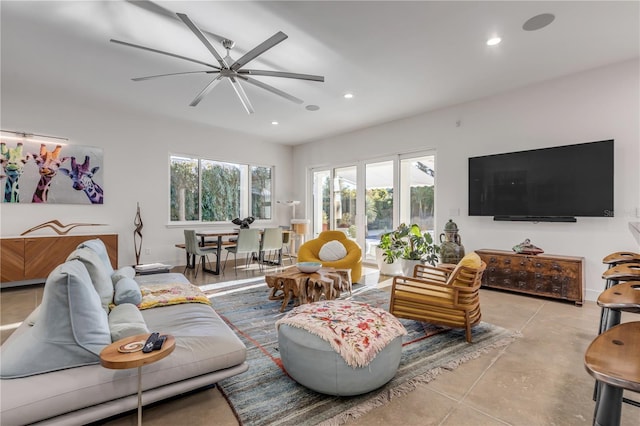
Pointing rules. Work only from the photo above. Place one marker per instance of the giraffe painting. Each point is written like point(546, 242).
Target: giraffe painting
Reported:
point(48, 163)
point(13, 161)
point(82, 177)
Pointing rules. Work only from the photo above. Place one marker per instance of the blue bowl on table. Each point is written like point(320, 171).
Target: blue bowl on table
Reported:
point(309, 267)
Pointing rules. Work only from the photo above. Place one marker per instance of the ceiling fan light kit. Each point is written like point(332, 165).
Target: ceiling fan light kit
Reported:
point(228, 68)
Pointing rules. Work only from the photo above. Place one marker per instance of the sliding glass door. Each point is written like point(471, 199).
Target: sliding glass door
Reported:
point(379, 205)
point(373, 197)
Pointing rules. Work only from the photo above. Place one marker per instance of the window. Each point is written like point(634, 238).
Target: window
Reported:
point(215, 191)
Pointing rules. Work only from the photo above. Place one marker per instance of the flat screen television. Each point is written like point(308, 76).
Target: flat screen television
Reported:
point(548, 184)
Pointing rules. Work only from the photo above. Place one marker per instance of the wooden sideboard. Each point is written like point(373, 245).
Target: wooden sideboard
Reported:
point(558, 277)
point(33, 258)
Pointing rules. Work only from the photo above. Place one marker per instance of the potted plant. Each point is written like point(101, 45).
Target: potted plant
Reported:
point(387, 255)
point(411, 246)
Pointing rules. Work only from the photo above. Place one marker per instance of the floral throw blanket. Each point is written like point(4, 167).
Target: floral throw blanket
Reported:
point(355, 330)
point(171, 294)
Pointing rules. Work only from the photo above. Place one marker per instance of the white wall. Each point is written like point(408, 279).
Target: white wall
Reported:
point(136, 154)
point(600, 104)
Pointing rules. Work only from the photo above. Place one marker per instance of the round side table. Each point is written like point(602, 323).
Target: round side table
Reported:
point(112, 357)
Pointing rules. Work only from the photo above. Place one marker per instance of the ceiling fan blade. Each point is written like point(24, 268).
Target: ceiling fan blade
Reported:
point(149, 77)
point(271, 89)
point(242, 95)
point(203, 39)
point(205, 91)
point(283, 74)
point(155, 8)
point(162, 52)
point(259, 50)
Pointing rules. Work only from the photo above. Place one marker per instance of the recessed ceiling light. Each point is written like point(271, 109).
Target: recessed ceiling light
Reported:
point(493, 41)
point(348, 95)
point(312, 107)
point(275, 123)
point(538, 22)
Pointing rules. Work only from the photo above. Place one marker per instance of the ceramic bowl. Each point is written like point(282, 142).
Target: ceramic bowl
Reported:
point(309, 267)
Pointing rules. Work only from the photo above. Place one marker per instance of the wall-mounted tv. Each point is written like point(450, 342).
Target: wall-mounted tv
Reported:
point(548, 184)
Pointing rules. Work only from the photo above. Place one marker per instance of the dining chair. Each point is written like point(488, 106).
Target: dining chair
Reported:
point(194, 249)
point(271, 241)
point(248, 243)
point(286, 243)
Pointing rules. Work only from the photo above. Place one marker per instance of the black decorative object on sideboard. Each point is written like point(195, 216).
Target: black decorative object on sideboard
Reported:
point(553, 276)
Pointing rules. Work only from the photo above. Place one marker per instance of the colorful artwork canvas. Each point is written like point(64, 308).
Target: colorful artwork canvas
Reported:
point(50, 172)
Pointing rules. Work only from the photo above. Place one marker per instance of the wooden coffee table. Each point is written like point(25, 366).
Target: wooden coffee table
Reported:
point(111, 357)
point(303, 287)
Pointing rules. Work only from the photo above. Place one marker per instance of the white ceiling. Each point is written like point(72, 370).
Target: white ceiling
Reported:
point(398, 58)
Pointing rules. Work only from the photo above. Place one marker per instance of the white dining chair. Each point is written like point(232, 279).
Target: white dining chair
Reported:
point(271, 242)
point(248, 243)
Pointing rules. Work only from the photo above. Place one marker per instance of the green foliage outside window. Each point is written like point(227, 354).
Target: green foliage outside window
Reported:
point(220, 191)
point(211, 191)
point(184, 189)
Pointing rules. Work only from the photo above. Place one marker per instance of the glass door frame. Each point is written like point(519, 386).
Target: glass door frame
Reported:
point(361, 217)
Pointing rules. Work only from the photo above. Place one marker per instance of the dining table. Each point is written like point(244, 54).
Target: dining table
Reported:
point(216, 236)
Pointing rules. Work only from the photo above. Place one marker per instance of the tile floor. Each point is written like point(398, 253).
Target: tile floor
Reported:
point(537, 380)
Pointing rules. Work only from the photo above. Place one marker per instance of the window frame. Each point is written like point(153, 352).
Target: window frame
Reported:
point(245, 189)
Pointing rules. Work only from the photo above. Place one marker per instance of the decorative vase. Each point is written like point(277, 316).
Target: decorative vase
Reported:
point(451, 249)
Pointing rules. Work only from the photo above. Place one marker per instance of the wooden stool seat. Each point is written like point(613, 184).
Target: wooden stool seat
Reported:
point(612, 359)
point(621, 257)
point(623, 297)
point(623, 272)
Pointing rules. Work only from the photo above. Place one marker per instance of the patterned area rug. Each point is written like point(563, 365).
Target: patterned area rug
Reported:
point(265, 395)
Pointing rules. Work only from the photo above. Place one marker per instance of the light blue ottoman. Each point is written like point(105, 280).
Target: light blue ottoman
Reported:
point(312, 362)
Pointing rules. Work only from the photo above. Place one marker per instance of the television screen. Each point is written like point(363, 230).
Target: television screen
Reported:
point(562, 181)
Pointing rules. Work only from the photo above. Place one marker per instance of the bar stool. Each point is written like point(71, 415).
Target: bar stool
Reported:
point(612, 359)
point(623, 297)
point(621, 257)
point(614, 275)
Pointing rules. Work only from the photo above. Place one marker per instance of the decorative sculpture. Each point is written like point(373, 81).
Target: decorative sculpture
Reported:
point(58, 227)
point(137, 234)
point(243, 223)
point(526, 247)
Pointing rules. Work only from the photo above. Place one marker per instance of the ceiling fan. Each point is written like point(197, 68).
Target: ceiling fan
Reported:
point(230, 69)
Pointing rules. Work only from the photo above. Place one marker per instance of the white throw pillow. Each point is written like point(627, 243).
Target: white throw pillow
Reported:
point(332, 251)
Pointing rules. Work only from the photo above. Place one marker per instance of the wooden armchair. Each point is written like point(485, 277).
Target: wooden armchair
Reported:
point(444, 295)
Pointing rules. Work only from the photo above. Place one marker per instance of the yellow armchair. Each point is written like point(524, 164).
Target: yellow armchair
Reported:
point(310, 251)
point(443, 296)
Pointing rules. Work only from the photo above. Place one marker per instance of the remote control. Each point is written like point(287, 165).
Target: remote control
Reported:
point(148, 345)
point(158, 344)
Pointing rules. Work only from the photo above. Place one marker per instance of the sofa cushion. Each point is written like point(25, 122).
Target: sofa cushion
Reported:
point(70, 331)
point(127, 291)
point(332, 251)
point(126, 320)
point(124, 272)
point(97, 245)
point(99, 276)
